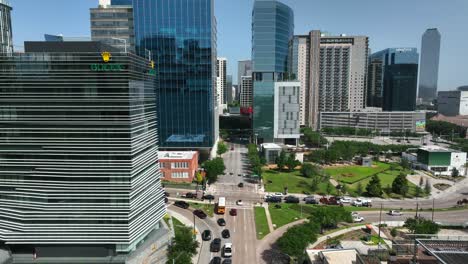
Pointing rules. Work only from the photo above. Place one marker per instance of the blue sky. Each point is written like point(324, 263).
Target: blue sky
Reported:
point(396, 23)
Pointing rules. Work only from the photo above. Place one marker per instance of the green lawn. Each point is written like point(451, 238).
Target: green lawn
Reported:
point(177, 225)
point(261, 224)
point(355, 173)
point(207, 208)
point(293, 180)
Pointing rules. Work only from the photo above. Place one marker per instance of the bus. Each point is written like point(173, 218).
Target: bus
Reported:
point(221, 205)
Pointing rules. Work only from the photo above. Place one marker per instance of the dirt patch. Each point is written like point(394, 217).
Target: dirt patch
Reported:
point(442, 186)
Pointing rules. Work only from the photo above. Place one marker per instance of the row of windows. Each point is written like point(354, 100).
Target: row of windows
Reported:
point(180, 175)
point(175, 165)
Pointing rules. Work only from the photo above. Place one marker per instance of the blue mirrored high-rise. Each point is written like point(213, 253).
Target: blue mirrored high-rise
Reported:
point(180, 36)
point(272, 28)
point(429, 72)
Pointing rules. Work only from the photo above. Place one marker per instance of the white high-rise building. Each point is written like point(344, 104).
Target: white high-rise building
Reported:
point(221, 80)
point(332, 71)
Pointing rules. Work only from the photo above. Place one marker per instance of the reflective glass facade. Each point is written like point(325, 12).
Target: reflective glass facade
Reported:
point(272, 29)
point(121, 2)
point(181, 37)
point(428, 76)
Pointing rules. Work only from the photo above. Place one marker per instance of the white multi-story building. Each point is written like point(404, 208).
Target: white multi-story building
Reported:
point(286, 122)
point(246, 91)
point(221, 80)
point(452, 103)
point(333, 72)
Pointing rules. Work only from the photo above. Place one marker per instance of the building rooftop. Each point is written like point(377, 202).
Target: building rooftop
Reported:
point(447, 251)
point(435, 148)
point(333, 256)
point(176, 154)
point(271, 146)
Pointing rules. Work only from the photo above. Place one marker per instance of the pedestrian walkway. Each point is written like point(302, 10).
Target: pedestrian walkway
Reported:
point(268, 217)
point(334, 234)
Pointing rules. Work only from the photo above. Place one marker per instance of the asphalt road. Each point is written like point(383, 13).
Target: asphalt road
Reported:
point(446, 217)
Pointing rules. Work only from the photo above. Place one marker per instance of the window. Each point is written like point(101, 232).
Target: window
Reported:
point(179, 165)
point(180, 175)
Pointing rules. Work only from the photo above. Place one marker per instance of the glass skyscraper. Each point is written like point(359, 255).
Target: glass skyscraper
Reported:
point(272, 29)
point(428, 75)
point(393, 79)
point(180, 36)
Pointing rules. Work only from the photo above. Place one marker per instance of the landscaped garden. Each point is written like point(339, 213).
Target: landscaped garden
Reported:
point(275, 181)
point(261, 224)
point(354, 173)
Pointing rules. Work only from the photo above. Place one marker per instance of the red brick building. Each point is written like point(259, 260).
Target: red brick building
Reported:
point(178, 166)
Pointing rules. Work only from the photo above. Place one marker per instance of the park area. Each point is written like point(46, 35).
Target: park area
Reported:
point(353, 173)
point(276, 181)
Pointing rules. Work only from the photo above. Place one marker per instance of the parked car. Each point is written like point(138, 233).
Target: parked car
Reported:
point(362, 202)
point(353, 214)
point(357, 219)
point(199, 213)
point(221, 222)
point(208, 197)
point(291, 199)
point(181, 204)
point(227, 261)
point(166, 200)
point(310, 200)
point(273, 199)
point(206, 235)
point(233, 212)
point(231, 173)
point(167, 194)
point(241, 184)
point(333, 201)
point(324, 200)
point(227, 250)
point(215, 245)
point(225, 233)
point(278, 194)
point(215, 260)
point(239, 174)
point(239, 202)
point(190, 195)
point(345, 200)
point(395, 213)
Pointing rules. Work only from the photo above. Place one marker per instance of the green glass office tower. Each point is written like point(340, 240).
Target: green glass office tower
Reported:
point(272, 29)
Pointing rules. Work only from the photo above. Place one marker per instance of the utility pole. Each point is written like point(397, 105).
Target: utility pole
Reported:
point(380, 221)
point(417, 207)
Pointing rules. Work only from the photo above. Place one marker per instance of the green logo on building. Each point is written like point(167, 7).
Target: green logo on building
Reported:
point(101, 67)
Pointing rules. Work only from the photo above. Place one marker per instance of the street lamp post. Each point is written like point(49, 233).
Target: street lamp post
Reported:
point(124, 41)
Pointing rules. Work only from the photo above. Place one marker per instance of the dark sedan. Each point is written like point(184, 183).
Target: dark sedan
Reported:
point(221, 222)
point(181, 204)
point(225, 233)
point(200, 214)
point(215, 245)
point(206, 235)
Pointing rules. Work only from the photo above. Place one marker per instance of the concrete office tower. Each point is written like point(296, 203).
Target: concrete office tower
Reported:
point(185, 58)
point(246, 93)
point(221, 64)
point(393, 81)
point(244, 68)
point(6, 38)
point(272, 29)
point(113, 25)
point(334, 71)
point(429, 72)
point(452, 103)
point(79, 174)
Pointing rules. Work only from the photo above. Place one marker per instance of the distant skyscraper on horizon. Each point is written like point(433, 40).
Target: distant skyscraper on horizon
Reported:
point(272, 29)
point(6, 35)
point(221, 81)
point(393, 79)
point(429, 65)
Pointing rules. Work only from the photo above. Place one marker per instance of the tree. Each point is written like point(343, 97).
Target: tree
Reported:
point(308, 170)
point(374, 187)
point(405, 164)
point(292, 162)
point(329, 188)
point(418, 191)
point(421, 181)
point(281, 160)
point(329, 217)
point(297, 238)
point(183, 246)
point(214, 168)
point(427, 187)
point(400, 184)
point(222, 148)
point(359, 189)
point(455, 172)
point(421, 226)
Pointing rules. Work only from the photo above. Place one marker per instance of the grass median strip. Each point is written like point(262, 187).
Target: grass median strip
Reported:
point(207, 208)
point(261, 223)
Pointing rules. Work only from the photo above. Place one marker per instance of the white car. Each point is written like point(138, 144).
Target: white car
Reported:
point(395, 213)
point(362, 202)
point(345, 200)
point(357, 219)
point(278, 194)
point(227, 250)
point(239, 202)
point(353, 214)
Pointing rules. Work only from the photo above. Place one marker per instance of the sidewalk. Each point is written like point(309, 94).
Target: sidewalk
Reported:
point(189, 223)
point(268, 217)
point(334, 234)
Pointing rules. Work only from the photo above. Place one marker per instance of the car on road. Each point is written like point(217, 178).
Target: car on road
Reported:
point(395, 213)
point(345, 200)
point(215, 245)
point(206, 235)
point(221, 222)
point(199, 213)
point(227, 261)
point(241, 184)
point(167, 194)
point(215, 260)
point(239, 202)
point(190, 195)
point(208, 197)
point(233, 212)
point(310, 200)
point(239, 174)
point(166, 200)
point(232, 148)
point(273, 199)
point(225, 233)
point(291, 199)
point(358, 219)
point(361, 202)
point(227, 250)
point(278, 194)
point(353, 214)
point(231, 173)
point(181, 204)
